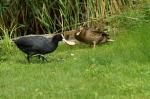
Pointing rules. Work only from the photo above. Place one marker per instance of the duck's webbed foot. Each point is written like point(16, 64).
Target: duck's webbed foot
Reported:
point(94, 44)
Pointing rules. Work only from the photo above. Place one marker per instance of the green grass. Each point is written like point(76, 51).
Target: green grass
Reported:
point(118, 70)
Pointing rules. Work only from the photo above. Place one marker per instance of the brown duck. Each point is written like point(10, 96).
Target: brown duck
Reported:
point(92, 36)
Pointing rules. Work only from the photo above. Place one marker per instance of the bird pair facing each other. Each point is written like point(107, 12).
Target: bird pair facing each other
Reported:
point(37, 45)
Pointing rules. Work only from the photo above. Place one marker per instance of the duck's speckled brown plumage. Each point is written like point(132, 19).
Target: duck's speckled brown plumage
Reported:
point(91, 36)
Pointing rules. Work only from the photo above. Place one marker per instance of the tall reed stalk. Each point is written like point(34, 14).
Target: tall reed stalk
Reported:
point(46, 16)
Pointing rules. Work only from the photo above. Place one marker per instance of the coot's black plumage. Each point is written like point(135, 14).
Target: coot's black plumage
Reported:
point(37, 45)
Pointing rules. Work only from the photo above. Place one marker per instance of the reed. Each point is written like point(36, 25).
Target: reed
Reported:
point(6, 45)
point(46, 16)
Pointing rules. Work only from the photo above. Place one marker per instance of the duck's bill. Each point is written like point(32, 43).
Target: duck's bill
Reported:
point(68, 42)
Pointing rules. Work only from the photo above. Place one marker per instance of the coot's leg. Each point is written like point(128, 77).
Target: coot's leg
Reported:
point(44, 58)
point(28, 58)
point(38, 56)
point(41, 56)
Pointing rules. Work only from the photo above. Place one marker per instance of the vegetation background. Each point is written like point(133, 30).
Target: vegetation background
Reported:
point(118, 70)
point(23, 17)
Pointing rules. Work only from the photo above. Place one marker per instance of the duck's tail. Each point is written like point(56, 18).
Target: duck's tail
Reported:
point(110, 40)
point(107, 36)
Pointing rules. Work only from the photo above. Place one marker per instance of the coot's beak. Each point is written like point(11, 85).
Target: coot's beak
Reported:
point(68, 42)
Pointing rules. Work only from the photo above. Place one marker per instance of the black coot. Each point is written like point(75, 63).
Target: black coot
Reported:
point(37, 45)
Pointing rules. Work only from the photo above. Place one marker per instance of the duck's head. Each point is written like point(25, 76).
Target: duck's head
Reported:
point(78, 31)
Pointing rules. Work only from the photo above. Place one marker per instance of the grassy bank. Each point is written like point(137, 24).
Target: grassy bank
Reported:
point(118, 70)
